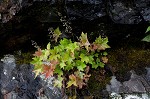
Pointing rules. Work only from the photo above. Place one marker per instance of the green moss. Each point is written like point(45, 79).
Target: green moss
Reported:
point(97, 83)
point(124, 60)
point(24, 58)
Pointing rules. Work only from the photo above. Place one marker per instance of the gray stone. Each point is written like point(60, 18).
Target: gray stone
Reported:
point(138, 87)
point(114, 85)
point(20, 83)
point(120, 13)
point(134, 84)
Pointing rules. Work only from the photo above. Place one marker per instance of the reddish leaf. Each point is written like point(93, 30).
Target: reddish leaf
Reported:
point(80, 79)
point(54, 62)
point(80, 82)
point(86, 77)
point(97, 47)
point(87, 69)
point(93, 47)
point(48, 70)
point(38, 53)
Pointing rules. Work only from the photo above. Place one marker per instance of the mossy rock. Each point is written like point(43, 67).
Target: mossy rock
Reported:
point(122, 60)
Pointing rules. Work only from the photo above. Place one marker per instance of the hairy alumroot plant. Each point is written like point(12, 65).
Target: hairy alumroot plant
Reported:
point(70, 61)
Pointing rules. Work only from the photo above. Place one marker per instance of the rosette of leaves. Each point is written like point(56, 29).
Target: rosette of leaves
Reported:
point(70, 61)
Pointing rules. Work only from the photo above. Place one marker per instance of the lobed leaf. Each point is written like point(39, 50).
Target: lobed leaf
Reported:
point(80, 65)
point(37, 70)
point(148, 29)
point(48, 46)
point(48, 70)
point(84, 41)
point(38, 53)
point(72, 80)
point(147, 38)
point(56, 34)
point(58, 82)
point(84, 58)
point(101, 43)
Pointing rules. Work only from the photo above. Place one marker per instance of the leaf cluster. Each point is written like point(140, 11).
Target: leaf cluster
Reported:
point(71, 60)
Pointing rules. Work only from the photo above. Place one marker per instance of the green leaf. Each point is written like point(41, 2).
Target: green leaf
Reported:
point(94, 65)
point(56, 34)
point(62, 64)
point(58, 82)
point(84, 58)
point(69, 66)
point(98, 40)
point(101, 43)
point(37, 70)
point(72, 46)
point(80, 65)
point(91, 59)
point(45, 55)
point(101, 64)
point(58, 70)
point(105, 53)
point(65, 56)
point(148, 29)
point(56, 49)
point(59, 48)
point(96, 55)
point(64, 42)
point(70, 60)
point(36, 61)
point(54, 55)
point(97, 60)
point(48, 46)
point(105, 46)
point(147, 38)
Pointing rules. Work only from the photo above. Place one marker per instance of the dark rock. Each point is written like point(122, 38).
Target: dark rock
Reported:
point(136, 84)
point(121, 13)
point(85, 9)
point(19, 82)
point(143, 6)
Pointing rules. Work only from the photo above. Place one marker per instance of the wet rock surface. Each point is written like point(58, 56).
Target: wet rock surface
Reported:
point(18, 82)
point(85, 9)
point(120, 11)
point(137, 84)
